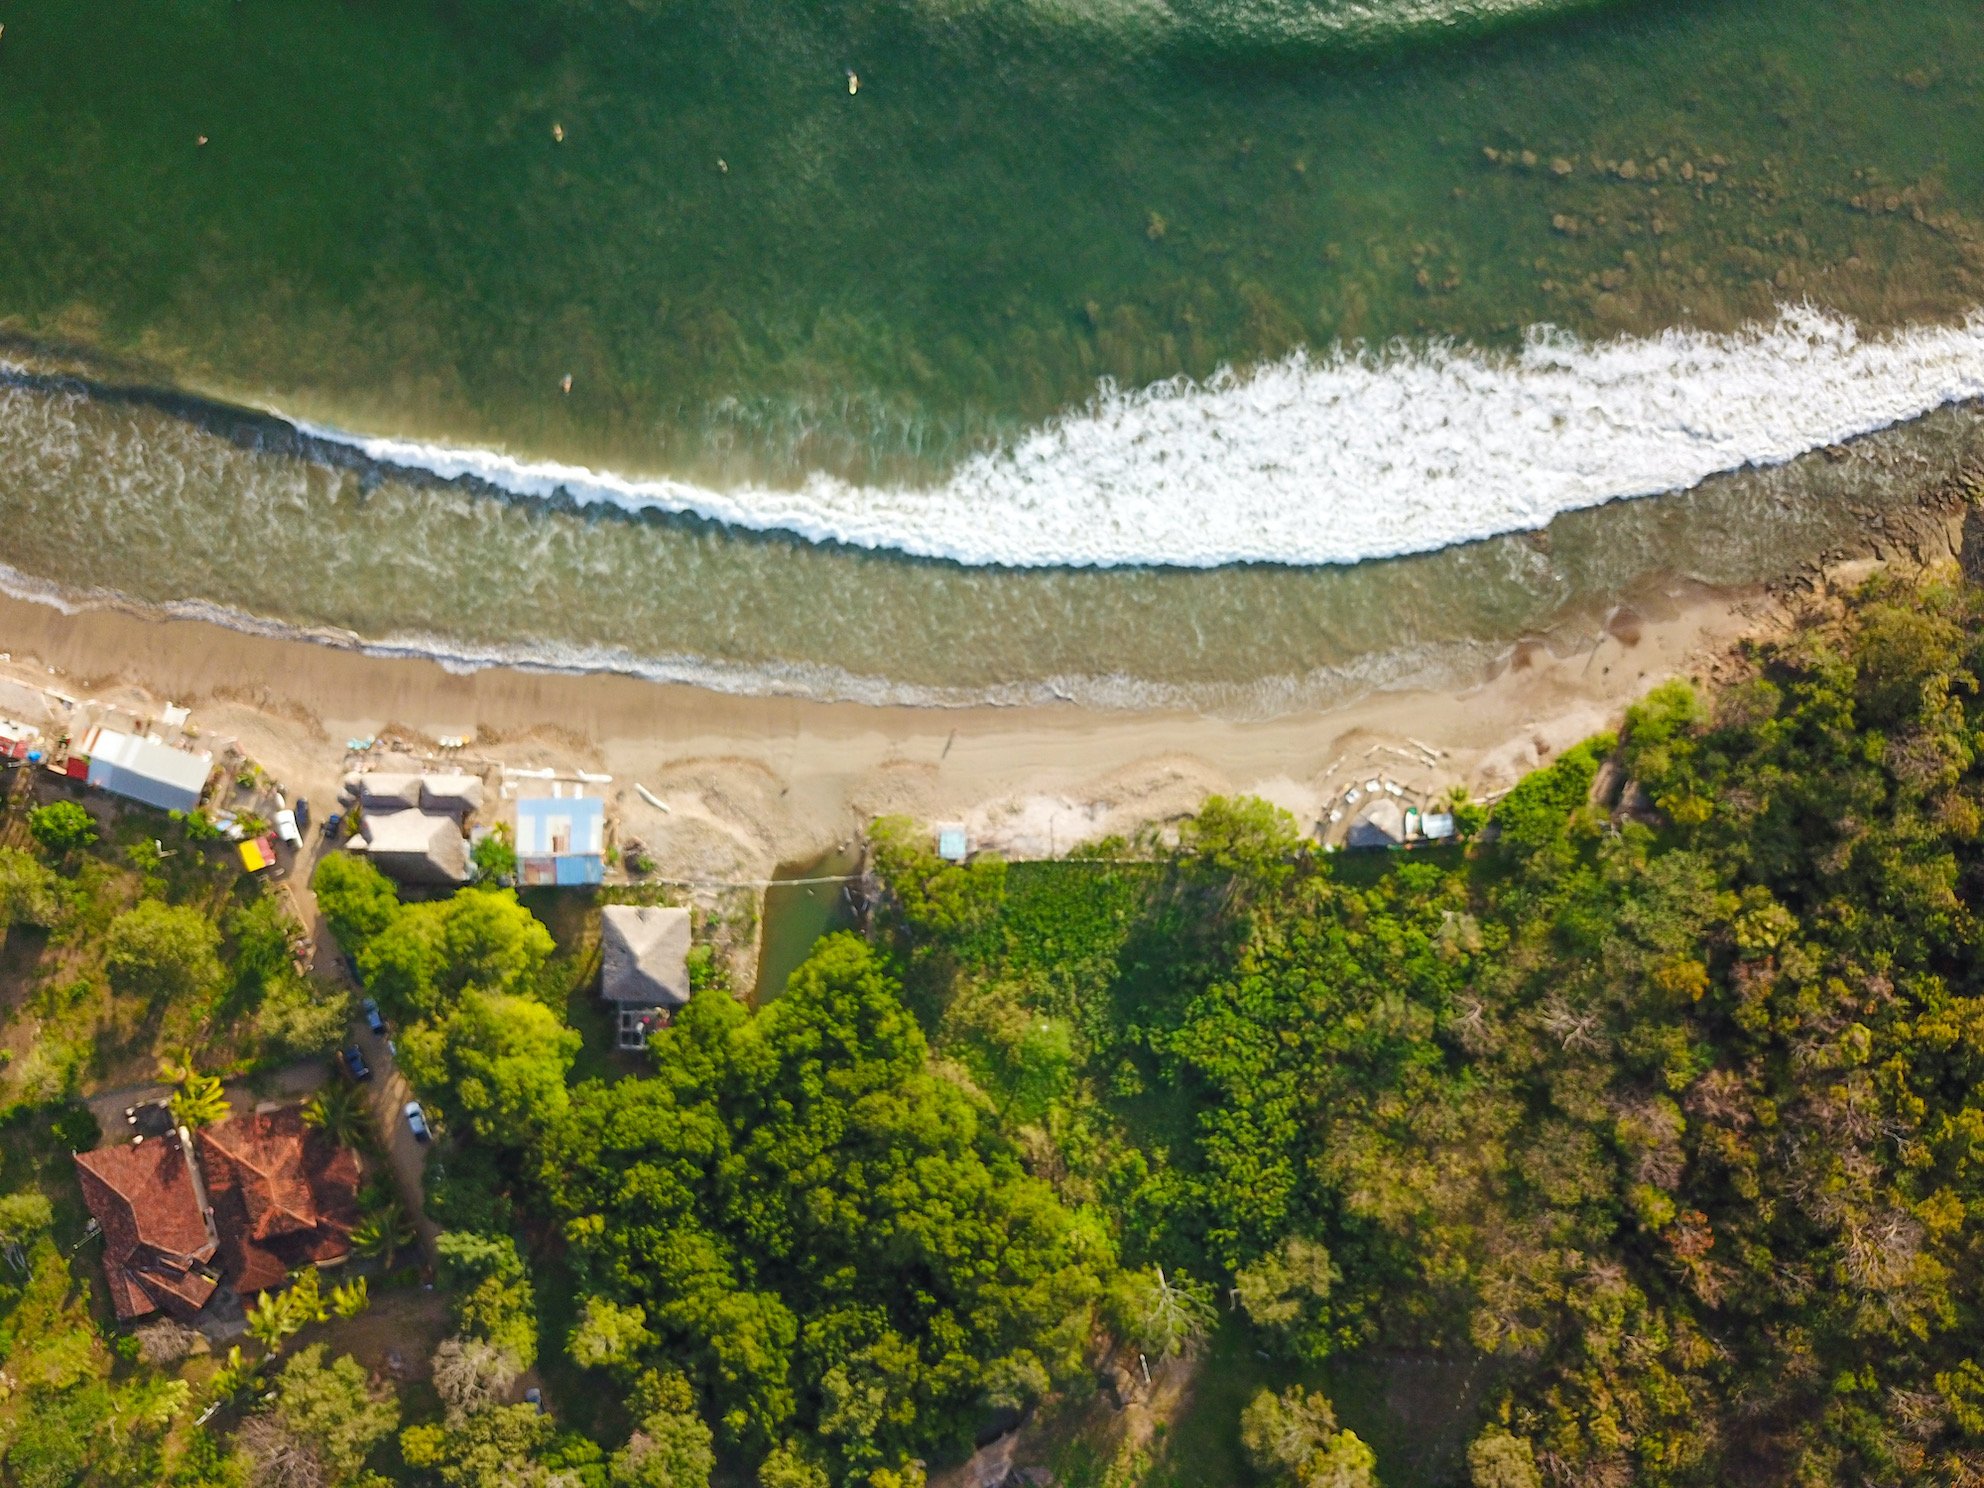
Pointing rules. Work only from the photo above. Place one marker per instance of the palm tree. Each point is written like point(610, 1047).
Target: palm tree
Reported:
point(383, 1231)
point(350, 1298)
point(268, 1322)
point(234, 1377)
point(199, 1100)
point(276, 1315)
point(338, 1111)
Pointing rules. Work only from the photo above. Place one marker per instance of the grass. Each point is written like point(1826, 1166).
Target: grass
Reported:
point(1413, 1411)
point(62, 1026)
point(572, 981)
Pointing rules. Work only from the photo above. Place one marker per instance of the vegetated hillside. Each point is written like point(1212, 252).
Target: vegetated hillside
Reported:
point(1667, 1111)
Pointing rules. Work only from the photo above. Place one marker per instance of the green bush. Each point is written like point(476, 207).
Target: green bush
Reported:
point(1535, 813)
point(62, 827)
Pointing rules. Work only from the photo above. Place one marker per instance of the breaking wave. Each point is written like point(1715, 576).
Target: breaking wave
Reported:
point(1338, 459)
point(1294, 26)
point(1354, 25)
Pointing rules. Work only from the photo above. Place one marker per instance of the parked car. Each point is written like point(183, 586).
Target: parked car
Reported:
point(354, 1063)
point(416, 1121)
point(302, 814)
point(372, 1019)
point(332, 824)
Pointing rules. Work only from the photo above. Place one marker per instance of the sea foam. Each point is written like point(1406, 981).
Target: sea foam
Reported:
point(1331, 24)
point(1339, 458)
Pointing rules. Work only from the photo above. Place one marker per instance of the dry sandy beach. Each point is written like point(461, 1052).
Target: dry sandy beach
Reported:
point(751, 783)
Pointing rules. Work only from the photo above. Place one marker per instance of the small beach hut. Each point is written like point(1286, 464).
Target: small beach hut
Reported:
point(382, 792)
point(414, 847)
point(454, 794)
point(561, 840)
point(1380, 824)
point(644, 966)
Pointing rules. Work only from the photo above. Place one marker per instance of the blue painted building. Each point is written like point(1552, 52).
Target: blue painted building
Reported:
point(561, 840)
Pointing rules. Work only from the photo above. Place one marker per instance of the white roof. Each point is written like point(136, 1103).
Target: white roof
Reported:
point(183, 769)
point(547, 827)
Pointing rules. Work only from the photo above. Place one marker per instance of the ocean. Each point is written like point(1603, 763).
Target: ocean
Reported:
point(1242, 354)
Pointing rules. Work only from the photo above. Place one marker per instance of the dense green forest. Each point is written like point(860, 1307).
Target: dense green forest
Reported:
point(1651, 1111)
point(1662, 1104)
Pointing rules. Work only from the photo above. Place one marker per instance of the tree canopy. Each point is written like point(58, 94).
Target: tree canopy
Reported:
point(164, 951)
point(820, 1229)
point(1665, 1104)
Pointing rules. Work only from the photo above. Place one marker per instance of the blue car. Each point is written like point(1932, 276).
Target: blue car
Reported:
point(372, 1019)
point(416, 1121)
point(354, 1063)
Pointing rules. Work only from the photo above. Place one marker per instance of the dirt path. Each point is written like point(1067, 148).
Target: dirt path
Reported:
point(387, 1092)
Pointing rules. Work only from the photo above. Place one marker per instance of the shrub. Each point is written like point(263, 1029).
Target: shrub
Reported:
point(61, 827)
point(163, 950)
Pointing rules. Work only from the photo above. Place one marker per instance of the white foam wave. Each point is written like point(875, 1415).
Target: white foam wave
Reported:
point(1286, 24)
point(1352, 23)
point(1319, 460)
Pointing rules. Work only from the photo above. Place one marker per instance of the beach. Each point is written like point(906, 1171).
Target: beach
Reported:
point(755, 782)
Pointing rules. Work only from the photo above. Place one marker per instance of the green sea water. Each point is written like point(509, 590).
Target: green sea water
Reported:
point(749, 272)
point(418, 218)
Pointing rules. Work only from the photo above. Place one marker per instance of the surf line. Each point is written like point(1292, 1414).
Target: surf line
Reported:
point(1336, 458)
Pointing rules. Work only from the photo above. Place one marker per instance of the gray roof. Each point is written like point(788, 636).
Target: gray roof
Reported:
point(460, 794)
point(383, 792)
point(416, 847)
point(645, 955)
point(1382, 824)
point(146, 770)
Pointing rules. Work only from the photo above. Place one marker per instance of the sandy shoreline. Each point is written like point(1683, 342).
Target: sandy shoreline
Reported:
point(753, 782)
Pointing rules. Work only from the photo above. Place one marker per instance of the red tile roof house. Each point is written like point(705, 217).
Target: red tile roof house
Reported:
point(257, 1197)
